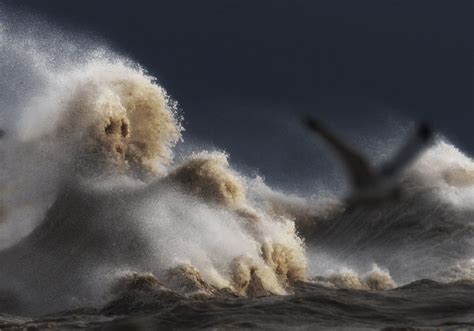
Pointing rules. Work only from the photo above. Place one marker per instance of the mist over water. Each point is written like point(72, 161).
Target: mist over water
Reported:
point(91, 194)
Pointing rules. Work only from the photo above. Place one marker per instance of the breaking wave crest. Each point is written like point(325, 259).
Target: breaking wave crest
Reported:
point(120, 119)
point(207, 175)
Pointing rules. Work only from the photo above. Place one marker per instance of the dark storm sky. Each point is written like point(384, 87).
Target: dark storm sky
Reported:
point(244, 70)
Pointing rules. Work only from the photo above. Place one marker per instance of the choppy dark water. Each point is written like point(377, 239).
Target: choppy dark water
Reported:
point(422, 304)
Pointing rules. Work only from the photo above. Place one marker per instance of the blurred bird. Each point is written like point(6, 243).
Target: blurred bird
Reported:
point(371, 184)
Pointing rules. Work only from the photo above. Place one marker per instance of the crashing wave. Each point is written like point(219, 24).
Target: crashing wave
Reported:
point(90, 155)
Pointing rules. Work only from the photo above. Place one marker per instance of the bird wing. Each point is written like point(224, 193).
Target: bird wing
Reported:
point(360, 171)
point(408, 152)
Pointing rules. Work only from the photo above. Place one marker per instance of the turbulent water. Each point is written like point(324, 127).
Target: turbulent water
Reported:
point(102, 226)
